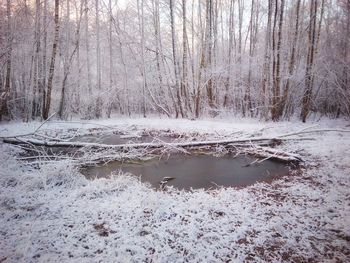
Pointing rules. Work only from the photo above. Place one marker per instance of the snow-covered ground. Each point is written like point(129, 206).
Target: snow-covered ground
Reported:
point(52, 213)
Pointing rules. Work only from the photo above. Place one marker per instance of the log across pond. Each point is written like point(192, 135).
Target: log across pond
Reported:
point(255, 146)
point(191, 170)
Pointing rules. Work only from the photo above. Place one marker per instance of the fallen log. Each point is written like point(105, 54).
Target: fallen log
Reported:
point(270, 153)
point(256, 146)
point(237, 142)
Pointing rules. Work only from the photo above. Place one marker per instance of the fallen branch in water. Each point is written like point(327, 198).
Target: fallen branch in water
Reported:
point(270, 153)
point(255, 145)
point(238, 142)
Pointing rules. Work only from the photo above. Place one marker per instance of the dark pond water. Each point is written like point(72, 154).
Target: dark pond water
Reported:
point(196, 171)
point(115, 139)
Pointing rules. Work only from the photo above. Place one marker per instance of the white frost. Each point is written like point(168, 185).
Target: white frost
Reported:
point(54, 214)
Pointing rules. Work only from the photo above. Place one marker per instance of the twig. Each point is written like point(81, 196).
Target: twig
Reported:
point(44, 122)
point(313, 131)
point(32, 133)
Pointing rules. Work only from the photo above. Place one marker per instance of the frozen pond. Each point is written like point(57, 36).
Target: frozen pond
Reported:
point(196, 171)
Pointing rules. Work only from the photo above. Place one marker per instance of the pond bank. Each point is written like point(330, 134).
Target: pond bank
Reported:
point(54, 213)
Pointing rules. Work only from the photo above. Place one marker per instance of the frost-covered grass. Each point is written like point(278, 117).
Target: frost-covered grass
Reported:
point(52, 213)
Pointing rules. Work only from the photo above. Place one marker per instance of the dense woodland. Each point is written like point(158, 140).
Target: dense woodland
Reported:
point(270, 59)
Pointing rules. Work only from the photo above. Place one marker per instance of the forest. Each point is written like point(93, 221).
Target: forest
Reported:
point(266, 59)
point(174, 131)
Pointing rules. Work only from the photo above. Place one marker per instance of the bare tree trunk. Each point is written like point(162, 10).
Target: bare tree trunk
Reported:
point(255, 103)
point(37, 62)
point(266, 65)
point(52, 64)
point(98, 111)
point(157, 40)
point(184, 81)
point(277, 62)
point(193, 71)
point(240, 22)
point(346, 82)
point(125, 68)
point(230, 48)
point(175, 61)
point(4, 96)
point(310, 61)
point(140, 7)
point(291, 62)
point(202, 64)
point(237, 56)
point(78, 13)
point(318, 31)
point(238, 102)
point(214, 76)
point(87, 46)
point(209, 40)
point(159, 62)
point(66, 63)
point(247, 97)
point(156, 34)
point(44, 82)
point(69, 62)
point(110, 49)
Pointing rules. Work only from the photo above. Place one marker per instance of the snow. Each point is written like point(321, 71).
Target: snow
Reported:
point(52, 213)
